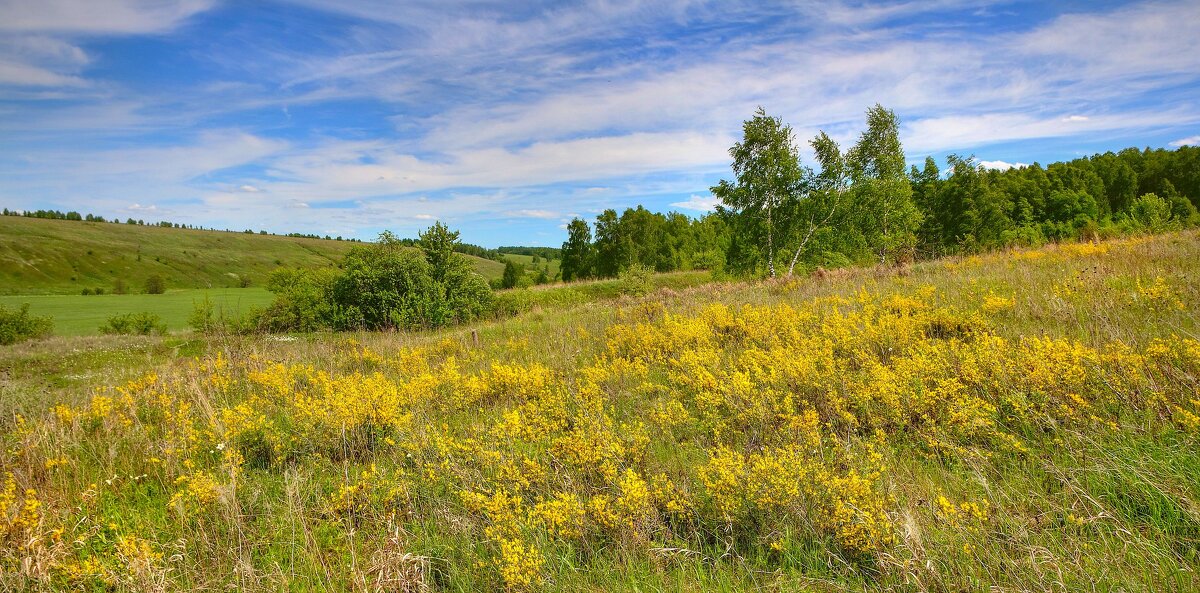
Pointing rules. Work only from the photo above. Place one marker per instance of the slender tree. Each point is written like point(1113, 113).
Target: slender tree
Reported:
point(815, 210)
point(888, 217)
point(577, 251)
point(766, 165)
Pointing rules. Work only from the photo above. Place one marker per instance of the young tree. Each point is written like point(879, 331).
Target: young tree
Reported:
point(577, 251)
point(512, 274)
point(612, 248)
point(888, 217)
point(438, 243)
point(815, 210)
point(767, 168)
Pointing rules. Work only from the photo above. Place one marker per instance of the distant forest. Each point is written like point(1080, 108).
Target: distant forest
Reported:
point(861, 205)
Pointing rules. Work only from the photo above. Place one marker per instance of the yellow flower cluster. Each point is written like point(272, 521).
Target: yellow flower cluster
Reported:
point(20, 516)
point(965, 514)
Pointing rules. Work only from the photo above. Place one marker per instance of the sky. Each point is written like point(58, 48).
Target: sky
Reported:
point(507, 119)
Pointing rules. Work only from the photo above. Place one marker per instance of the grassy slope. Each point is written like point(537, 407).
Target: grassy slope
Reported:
point(64, 257)
point(1088, 507)
point(527, 261)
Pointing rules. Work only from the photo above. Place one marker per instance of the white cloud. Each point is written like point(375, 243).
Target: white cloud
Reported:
point(534, 213)
point(1001, 165)
point(1073, 118)
point(1189, 141)
point(699, 203)
point(967, 131)
point(97, 16)
point(343, 170)
point(249, 189)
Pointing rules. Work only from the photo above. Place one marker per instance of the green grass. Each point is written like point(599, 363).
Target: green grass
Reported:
point(39, 256)
point(1089, 506)
point(77, 315)
point(527, 261)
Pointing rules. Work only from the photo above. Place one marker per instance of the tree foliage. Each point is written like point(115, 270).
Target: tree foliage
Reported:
point(382, 285)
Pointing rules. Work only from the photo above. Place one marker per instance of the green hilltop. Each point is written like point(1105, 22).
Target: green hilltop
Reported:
point(44, 256)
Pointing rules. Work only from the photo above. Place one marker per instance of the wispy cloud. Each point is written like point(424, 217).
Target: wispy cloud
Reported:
point(502, 116)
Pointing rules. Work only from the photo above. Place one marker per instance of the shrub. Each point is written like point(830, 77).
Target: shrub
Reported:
point(1150, 212)
point(243, 281)
point(17, 325)
point(636, 280)
point(386, 285)
point(302, 302)
point(382, 285)
point(139, 324)
point(155, 284)
point(119, 286)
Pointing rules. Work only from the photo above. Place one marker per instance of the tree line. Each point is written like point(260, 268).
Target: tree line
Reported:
point(861, 205)
point(76, 216)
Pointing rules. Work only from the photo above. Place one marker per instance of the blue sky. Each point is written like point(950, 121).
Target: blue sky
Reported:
point(506, 119)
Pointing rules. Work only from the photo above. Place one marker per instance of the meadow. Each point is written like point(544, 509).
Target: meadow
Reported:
point(41, 256)
point(78, 315)
point(1021, 420)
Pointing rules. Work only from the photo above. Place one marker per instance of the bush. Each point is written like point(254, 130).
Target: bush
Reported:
point(636, 280)
point(119, 286)
point(17, 325)
point(138, 324)
point(1150, 213)
point(302, 302)
point(383, 285)
point(155, 284)
point(387, 285)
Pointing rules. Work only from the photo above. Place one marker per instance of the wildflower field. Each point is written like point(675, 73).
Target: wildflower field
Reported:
point(1024, 420)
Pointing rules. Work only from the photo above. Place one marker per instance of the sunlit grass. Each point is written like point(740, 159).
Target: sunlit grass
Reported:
point(1025, 420)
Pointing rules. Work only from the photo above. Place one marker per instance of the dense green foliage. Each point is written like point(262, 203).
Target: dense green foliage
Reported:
point(155, 284)
point(17, 325)
point(513, 272)
point(382, 285)
point(1106, 194)
point(861, 206)
point(140, 324)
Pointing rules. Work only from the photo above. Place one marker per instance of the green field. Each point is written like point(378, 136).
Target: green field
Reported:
point(76, 315)
point(41, 256)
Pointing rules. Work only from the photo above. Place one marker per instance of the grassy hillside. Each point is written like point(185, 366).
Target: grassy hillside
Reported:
point(39, 256)
point(527, 261)
point(1025, 420)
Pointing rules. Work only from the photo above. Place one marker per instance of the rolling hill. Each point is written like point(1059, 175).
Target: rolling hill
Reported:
point(40, 256)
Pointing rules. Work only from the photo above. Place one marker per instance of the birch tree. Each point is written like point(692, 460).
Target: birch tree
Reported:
point(766, 167)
